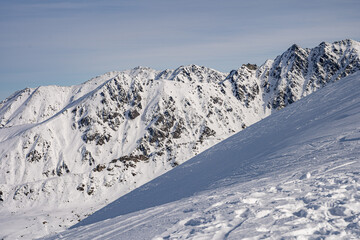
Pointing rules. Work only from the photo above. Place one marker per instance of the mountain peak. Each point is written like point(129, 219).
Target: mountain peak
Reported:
point(347, 42)
point(121, 129)
point(193, 68)
point(294, 47)
point(250, 66)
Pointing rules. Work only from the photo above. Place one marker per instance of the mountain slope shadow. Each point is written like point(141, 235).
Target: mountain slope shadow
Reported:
point(246, 155)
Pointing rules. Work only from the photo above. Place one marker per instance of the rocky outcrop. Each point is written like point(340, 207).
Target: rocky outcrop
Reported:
point(120, 130)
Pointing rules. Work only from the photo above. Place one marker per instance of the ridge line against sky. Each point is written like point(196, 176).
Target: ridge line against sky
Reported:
point(69, 42)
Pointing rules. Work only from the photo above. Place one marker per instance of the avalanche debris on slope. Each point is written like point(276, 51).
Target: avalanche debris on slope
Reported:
point(292, 175)
point(91, 143)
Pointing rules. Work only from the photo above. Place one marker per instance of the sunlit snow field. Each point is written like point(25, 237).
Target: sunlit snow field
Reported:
point(295, 174)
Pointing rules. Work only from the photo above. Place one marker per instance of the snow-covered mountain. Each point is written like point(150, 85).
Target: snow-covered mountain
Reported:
point(293, 175)
point(74, 149)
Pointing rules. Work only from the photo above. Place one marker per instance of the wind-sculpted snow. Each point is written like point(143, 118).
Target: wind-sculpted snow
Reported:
point(94, 142)
point(294, 174)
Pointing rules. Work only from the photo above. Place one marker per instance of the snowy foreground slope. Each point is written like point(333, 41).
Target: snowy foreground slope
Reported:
point(66, 152)
point(293, 174)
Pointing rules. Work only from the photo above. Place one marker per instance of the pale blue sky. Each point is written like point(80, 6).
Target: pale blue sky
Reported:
point(68, 42)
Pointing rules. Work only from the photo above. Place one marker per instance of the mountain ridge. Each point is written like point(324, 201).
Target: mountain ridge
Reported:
point(96, 141)
point(294, 174)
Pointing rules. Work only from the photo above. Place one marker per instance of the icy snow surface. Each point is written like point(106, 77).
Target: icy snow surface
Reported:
point(295, 174)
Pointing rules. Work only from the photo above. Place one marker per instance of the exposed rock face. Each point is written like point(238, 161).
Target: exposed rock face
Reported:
point(295, 74)
point(120, 130)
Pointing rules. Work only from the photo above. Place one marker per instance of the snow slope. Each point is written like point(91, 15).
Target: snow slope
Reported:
point(68, 151)
point(293, 174)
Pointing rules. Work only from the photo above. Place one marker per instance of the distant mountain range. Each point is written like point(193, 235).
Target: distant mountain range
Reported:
point(74, 149)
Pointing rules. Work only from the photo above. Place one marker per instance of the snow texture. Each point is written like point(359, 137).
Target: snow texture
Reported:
point(65, 152)
point(292, 175)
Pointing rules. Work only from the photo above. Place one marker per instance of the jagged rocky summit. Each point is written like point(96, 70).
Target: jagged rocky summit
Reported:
point(92, 143)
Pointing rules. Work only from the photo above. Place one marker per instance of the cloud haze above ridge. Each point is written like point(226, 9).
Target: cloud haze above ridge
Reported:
point(68, 42)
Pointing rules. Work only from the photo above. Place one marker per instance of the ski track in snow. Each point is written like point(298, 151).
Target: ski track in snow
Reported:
point(303, 183)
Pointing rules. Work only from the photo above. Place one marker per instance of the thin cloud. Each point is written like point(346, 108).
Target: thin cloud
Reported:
point(78, 38)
